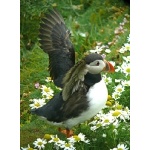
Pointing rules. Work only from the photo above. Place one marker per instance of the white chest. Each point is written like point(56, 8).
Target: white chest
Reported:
point(97, 97)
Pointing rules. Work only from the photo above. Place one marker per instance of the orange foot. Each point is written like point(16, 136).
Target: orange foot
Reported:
point(67, 132)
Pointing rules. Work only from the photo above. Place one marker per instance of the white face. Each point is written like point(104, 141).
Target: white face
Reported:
point(96, 66)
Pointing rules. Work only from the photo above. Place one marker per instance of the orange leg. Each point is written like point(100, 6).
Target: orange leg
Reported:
point(67, 132)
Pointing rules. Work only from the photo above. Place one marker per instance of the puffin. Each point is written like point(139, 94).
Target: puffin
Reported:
point(84, 92)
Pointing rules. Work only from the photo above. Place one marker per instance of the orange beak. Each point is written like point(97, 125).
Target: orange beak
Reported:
point(109, 67)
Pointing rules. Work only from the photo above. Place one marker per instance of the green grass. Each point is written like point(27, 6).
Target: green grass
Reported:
point(34, 67)
point(98, 19)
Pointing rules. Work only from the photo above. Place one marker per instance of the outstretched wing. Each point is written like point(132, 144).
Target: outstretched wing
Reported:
point(55, 41)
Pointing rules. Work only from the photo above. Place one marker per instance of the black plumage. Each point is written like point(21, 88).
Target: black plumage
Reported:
point(94, 56)
point(57, 110)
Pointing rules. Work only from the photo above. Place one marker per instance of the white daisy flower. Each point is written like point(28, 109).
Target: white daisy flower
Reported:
point(122, 114)
point(118, 69)
point(122, 50)
point(116, 113)
point(117, 106)
point(116, 95)
point(67, 146)
point(127, 46)
point(54, 139)
point(49, 79)
point(126, 68)
point(93, 128)
point(78, 138)
point(107, 79)
point(94, 122)
point(125, 114)
point(46, 89)
point(127, 59)
point(37, 103)
point(119, 88)
point(83, 138)
point(107, 119)
point(98, 49)
point(125, 83)
point(100, 113)
point(117, 80)
point(47, 92)
point(28, 148)
point(107, 50)
point(104, 46)
point(122, 147)
point(74, 139)
point(40, 143)
point(94, 51)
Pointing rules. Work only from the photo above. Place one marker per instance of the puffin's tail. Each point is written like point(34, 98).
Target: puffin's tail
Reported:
point(38, 112)
point(34, 111)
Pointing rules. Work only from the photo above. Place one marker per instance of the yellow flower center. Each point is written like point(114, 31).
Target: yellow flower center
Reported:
point(119, 107)
point(49, 97)
point(116, 113)
point(40, 143)
point(116, 95)
point(96, 118)
point(56, 139)
point(37, 104)
point(98, 125)
point(119, 89)
point(47, 136)
point(109, 97)
point(106, 80)
point(67, 145)
point(46, 89)
point(128, 47)
point(106, 120)
point(128, 70)
point(49, 78)
point(30, 148)
point(76, 138)
point(108, 103)
point(119, 149)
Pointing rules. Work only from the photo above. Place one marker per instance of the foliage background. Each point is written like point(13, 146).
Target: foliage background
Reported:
point(97, 19)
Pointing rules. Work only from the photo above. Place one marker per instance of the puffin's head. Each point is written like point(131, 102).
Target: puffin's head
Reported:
point(95, 64)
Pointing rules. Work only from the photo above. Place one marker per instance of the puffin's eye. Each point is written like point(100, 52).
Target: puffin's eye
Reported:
point(97, 63)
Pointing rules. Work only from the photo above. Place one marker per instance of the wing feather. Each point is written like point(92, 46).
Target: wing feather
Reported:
point(55, 41)
point(74, 79)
